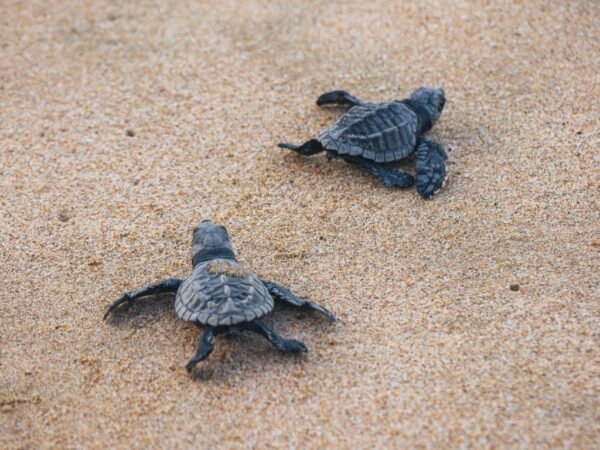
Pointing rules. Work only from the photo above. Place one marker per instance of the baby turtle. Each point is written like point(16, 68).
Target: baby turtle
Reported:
point(372, 134)
point(222, 295)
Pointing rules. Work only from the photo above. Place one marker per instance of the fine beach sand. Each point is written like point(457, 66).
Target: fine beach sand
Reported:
point(124, 124)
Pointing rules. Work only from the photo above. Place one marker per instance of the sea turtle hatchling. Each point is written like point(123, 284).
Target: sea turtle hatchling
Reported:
point(372, 134)
point(223, 296)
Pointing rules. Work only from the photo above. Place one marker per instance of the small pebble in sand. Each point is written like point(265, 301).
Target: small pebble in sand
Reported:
point(94, 262)
point(63, 216)
point(515, 287)
point(130, 133)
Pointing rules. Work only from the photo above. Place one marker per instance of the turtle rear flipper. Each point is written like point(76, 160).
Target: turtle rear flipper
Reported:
point(285, 345)
point(311, 147)
point(389, 177)
point(431, 168)
point(205, 348)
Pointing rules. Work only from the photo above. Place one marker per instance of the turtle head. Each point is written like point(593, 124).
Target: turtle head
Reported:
point(433, 100)
point(210, 241)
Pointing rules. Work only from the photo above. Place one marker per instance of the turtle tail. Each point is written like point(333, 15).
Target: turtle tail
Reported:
point(311, 147)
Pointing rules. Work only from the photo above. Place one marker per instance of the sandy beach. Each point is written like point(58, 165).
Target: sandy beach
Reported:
point(468, 321)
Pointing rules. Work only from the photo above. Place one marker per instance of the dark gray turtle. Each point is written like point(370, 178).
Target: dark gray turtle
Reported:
point(373, 134)
point(222, 295)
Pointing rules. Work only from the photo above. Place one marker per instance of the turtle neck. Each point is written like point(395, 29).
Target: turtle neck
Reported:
point(217, 253)
point(422, 114)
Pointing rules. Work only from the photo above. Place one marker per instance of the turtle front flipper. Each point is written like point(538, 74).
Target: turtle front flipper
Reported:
point(431, 168)
point(338, 98)
point(283, 294)
point(169, 285)
point(389, 177)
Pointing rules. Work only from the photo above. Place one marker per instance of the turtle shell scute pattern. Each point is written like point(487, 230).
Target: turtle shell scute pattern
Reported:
point(222, 292)
point(382, 132)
